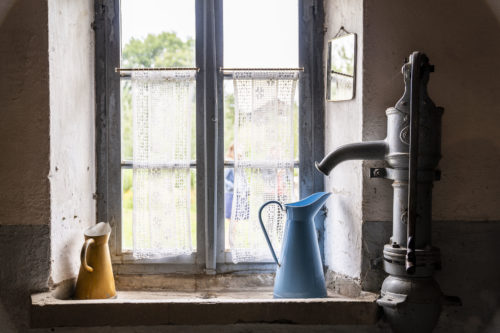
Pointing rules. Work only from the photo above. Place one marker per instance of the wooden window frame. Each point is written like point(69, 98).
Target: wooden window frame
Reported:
point(210, 257)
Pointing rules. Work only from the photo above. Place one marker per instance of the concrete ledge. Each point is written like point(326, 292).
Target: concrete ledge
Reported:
point(134, 308)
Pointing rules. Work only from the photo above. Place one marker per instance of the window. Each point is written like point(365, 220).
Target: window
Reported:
point(207, 34)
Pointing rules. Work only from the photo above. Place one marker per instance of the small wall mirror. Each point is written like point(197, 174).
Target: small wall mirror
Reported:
point(341, 77)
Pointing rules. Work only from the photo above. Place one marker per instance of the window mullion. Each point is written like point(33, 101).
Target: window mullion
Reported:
point(208, 143)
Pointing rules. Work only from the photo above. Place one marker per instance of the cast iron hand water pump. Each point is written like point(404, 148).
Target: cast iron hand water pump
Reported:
point(410, 297)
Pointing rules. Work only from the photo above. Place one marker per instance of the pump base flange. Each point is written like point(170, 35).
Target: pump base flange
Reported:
point(428, 261)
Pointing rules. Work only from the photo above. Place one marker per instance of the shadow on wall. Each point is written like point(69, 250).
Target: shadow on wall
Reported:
point(462, 39)
point(5, 7)
point(7, 325)
point(25, 268)
point(65, 289)
point(469, 252)
point(470, 270)
point(465, 189)
point(375, 236)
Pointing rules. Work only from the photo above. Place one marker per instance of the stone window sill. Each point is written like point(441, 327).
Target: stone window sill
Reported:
point(134, 308)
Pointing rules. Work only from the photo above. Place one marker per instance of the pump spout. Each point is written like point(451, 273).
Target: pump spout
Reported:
point(371, 150)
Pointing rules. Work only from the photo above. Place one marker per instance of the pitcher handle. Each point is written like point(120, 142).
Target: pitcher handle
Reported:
point(83, 255)
point(264, 228)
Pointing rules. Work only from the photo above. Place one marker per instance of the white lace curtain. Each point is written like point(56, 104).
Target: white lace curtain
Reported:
point(264, 157)
point(162, 110)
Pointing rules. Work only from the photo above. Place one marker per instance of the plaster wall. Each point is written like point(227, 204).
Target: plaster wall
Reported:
point(72, 147)
point(24, 113)
point(462, 39)
point(24, 167)
point(47, 138)
point(343, 125)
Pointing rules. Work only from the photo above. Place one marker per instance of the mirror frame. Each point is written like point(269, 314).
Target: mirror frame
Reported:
point(329, 65)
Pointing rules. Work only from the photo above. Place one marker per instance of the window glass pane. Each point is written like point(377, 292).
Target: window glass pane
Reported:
point(127, 209)
point(261, 33)
point(128, 205)
point(154, 33)
point(193, 209)
point(157, 33)
point(228, 202)
point(228, 120)
point(229, 106)
point(258, 33)
point(296, 128)
point(228, 156)
point(296, 183)
point(126, 120)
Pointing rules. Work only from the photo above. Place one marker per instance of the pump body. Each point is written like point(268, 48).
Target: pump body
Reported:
point(410, 297)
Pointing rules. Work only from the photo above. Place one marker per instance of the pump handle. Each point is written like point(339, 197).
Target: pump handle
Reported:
point(416, 60)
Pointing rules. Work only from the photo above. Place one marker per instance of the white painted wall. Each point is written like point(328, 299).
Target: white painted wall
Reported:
point(343, 125)
point(72, 144)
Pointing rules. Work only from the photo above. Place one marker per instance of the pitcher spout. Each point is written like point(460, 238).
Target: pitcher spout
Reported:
point(308, 206)
point(371, 150)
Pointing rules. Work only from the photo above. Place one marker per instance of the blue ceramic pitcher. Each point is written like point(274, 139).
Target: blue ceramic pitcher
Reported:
point(300, 273)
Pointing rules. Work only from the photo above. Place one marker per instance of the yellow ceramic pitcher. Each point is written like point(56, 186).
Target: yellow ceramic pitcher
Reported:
point(95, 280)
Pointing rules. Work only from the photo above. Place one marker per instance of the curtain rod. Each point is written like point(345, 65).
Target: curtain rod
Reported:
point(226, 69)
point(117, 69)
point(341, 74)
